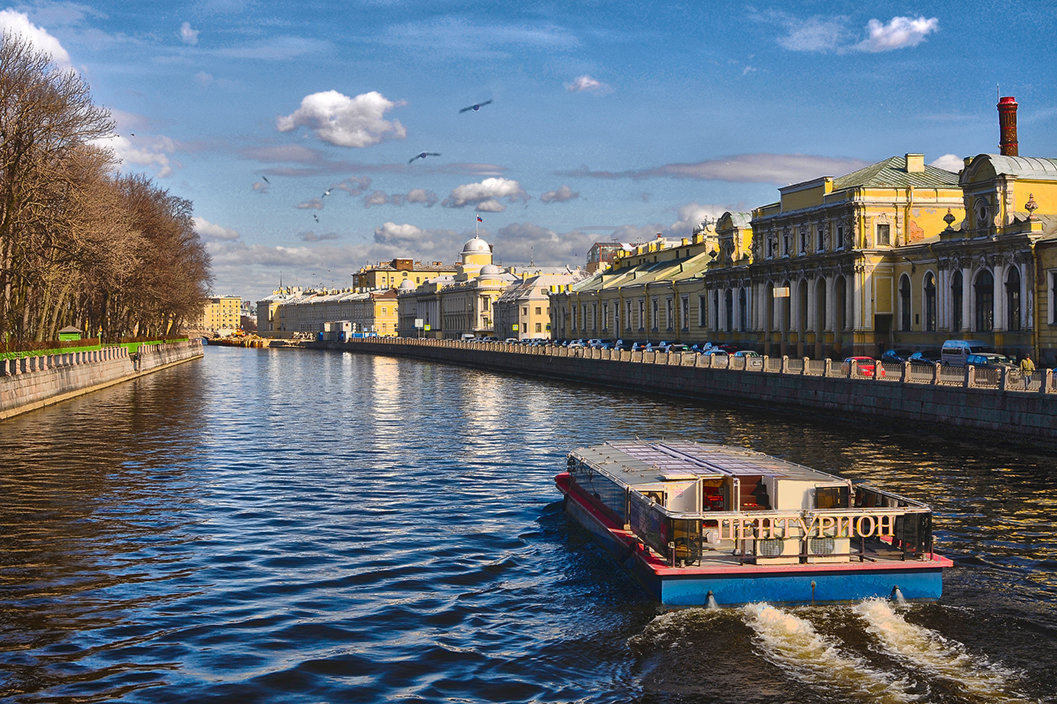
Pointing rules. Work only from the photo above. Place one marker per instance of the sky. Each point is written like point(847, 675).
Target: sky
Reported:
point(314, 138)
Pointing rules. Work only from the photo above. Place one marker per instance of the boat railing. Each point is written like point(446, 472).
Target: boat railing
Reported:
point(883, 532)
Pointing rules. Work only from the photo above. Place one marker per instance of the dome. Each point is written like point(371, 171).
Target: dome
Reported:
point(407, 285)
point(476, 246)
point(491, 270)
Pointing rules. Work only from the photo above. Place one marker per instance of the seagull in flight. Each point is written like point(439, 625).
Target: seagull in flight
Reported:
point(476, 106)
point(316, 217)
point(422, 155)
point(265, 179)
point(326, 193)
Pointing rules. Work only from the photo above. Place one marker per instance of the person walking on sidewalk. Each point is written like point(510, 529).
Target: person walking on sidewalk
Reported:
point(1027, 369)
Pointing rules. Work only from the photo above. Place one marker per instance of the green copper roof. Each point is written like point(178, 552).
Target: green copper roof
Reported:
point(892, 173)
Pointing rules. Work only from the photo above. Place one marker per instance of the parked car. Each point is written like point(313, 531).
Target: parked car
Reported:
point(866, 366)
point(747, 353)
point(679, 347)
point(897, 355)
point(991, 360)
point(715, 352)
point(924, 358)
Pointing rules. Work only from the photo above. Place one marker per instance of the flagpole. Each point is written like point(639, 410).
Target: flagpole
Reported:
point(476, 223)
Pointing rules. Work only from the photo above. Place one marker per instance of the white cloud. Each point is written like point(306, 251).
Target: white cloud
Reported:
point(485, 195)
point(950, 162)
point(403, 235)
point(319, 237)
point(18, 23)
point(814, 33)
point(900, 32)
point(587, 84)
point(142, 151)
point(354, 185)
point(188, 35)
point(311, 204)
point(559, 196)
point(421, 195)
point(345, 122)
point(375, 198)
point(692, 215)
point(212, 232)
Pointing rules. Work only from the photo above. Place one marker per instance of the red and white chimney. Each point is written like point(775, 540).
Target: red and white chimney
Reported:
point(1007, 124)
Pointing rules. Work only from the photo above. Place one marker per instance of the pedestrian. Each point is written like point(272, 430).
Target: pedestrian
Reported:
point(1027, 369)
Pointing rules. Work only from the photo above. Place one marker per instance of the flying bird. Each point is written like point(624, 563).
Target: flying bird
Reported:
point(326, 193)
point(422, 155)
point(265, 179)
point(476, 107)
point(316, 217)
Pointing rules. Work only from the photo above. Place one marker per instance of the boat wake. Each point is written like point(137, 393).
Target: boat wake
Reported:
point(928, 651)
point(792, 644)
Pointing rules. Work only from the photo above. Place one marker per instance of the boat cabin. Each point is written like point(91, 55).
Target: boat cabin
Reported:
point(693, 503)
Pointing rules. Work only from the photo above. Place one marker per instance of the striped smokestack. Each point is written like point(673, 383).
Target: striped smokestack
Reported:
point(1007, 123)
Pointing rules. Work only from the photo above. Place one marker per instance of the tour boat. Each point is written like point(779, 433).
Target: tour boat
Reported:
point(717, 525)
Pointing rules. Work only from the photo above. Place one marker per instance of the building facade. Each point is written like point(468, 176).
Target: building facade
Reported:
point(221, 315)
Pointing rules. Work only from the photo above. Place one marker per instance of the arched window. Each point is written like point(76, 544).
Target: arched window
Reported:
point(1013, 299)
point(984, 294)
point(743, 309)
point(904, 303)
point(930, 302)
point(956, 302)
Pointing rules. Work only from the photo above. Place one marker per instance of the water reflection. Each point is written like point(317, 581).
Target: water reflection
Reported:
point(271, 525)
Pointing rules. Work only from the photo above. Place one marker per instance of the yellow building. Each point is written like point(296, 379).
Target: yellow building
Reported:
point(459, 305)
point(825, 255)
point(393, 274)
point(523, 309)
point(221, 315)
point(306, 312)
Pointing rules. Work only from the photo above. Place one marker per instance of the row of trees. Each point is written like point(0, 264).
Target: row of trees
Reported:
point(80, 244)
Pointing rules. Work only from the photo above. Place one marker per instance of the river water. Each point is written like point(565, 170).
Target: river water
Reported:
point(298, 526)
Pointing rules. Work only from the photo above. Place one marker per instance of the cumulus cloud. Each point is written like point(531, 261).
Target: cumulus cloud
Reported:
point(900, 32)
point(834, 34)
point(485, 195)
point(587, 84)
point(18, 23)
point(212, 232)
point(345, 122)
point(692, 215)
point(421, 195)
point(950, 162)
point(188, 35)
point(144, 151)
point(779, 169)
point(375, 198)
point(559, 196)
point(403, 235)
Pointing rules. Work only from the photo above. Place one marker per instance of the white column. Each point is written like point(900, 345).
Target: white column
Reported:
point(967, 298)
point(1000, 322)
point(812, 306)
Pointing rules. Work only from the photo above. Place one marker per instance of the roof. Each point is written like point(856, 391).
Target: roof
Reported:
point(892, 173)
point(641, 461)
point(1021, 167)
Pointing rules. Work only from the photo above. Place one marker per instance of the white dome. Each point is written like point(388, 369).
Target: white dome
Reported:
point(407, 285)
point(491, 270)
point(476, 246)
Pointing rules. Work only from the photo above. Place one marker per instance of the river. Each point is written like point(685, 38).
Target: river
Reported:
point(289, 525)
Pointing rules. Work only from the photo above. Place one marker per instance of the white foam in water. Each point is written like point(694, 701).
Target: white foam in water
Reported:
point(928, 651)
point(794, 645)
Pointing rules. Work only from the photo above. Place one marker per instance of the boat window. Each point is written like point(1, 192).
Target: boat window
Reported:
point(831, 497)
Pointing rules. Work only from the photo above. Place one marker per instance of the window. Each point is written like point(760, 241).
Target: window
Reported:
point(743, 309)
point(668, 313)
point(605, 316)
point(770, 247)
point(654, 310)
point(524, 310)
point(803, 240)
point(1053, 298)
point(539, 327)
point(702, 306)
point(841, 244)
point(956, 302)
point(820, 237)
point(884, 235)
point(930, 302)
point(728, 306)
point(539, 311)
point(984, 290)
point(785, 244)
point(1013, 299)
point(684, 305)
point(642, 314)
point(904, 303)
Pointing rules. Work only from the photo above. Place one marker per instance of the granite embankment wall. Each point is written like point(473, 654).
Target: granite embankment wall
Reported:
point(928, 400)
point(30, 383)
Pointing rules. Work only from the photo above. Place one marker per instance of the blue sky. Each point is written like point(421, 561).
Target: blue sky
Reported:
point(607, 120)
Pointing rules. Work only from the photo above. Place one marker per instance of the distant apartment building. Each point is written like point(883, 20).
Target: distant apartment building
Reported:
point(222, 315)
point(308, 312)
point(523, 310)
point(394, 273)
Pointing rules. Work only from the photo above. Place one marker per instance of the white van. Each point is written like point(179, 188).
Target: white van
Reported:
point(956, 352)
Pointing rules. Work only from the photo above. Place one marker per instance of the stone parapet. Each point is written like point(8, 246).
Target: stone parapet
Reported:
point(34, 382)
